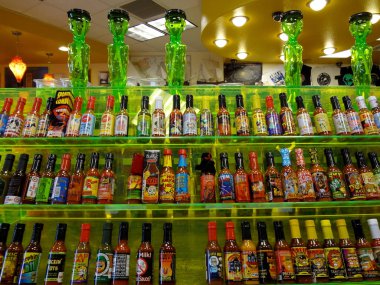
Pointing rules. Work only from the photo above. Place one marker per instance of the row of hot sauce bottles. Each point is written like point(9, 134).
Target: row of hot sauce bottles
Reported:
point(270, 123)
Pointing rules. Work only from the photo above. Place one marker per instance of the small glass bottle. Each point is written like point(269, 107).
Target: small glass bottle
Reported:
point(145, 257)
point(305, 179)
point(158, 119)
point(107, 182)
point(375, 109)
point(321, 120)
point(104, 257)
point(339, 118)
point(62, 181)
point(241, 180)
point(258, 118)
point(74, 193)
point(45, 186)
point(31, 120)
point(369, 181)
point(366, 117)
point(207, 179)
point(225, 181)
point(4, 115)
point(17, 181)
point(248, 256)
point(273, 184)
point(352, 177)
point(44, 121)
point(213, 258)
point(232, 257)
point(335, 177)
point(134, 182)
point(87, 122)
point(167, 179)
point(175, 118)
point(82, 257)
point(223, 117)
point(167, 258)
point(144, 119)
point(320, 179)
point(16, 120)
point(256, 179)
point(189, 118)
point(206, 120)
point(107, 122)
point(4, 229)
point(374, 163)
point(31, 182)
point(303, 119)
point(121, 257)
point(272, 118)
point(375, 234)
point(122, 118)
point(73, 125)
point(241, 118)
point(352, 117)
point(265, 256)
point(151, 177)
point(182, 194)
point(5, 176)
point(286, 117)
point(91, 181)
point(289, 178)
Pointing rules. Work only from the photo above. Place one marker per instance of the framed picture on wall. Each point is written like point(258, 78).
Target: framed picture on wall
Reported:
point(103, 78)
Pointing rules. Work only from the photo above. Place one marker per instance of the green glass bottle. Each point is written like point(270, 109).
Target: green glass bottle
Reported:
point(144, 119)
point(104, 257)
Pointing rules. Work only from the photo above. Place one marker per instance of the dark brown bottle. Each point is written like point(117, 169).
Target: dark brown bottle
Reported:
point(82, 255)
point(241, 118)
point(354, 181)
point(248, 256)
point(167, 258)
point(107, 182)
point(265, 256)
point(145, 253)
point(44, 121)
point(371, 185)
point(32, 180)
point(232, 257)
point(223, 117)
point(320, 179)
point(175, 118)
point(273, 184)
point(104, 257)
point(214, 257)
point(31, 258)
point(241, 180)
point(45, 186)
point(321, 120)
point(74, 194)
point(5, 176)
point(17, 182)
point(121, 257)
point(335, 177)
point(4, 229)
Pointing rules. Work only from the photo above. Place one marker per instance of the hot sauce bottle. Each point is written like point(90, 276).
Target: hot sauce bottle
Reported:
point(13, 257)
point(366, 117)
point(335, 177)
point(289, 178)
point(46, 183)
point(232, 257)
point(17, 181)
point(31, 258)
point(265, 256)
point(158, 119)
point(144, 263)
point(352, 117)
point(241, 180)
point(87, 122)
point(182, 194)
point(316, 254)
point(319, 175)
point(206, 119)
point(144, 119)
point(213, 258)
point(175, 118)
point(57, 256)
point(354, 181)
point(305, 179)
point(91, 181)
point(4, 115)
point(4, 229)
point(82, 254)
point(31, 120)
point(74, 193)
point(167, 258)
point(303, 119)
point(73, 124)
point(44, 121)
point(301, 262)
point(223, 116)
point(272, 118)
point(321, 120)
point(134, 182)
point(5, 176)
point(334, 260)
point(258, 118)
point(207, 168)
point(283, 255)
point(107, 122)
point(189, 118)
point(107, 182)
point(122, 118)
point(62, 181)
point(151, 177)
point(104, 257)
point(375, 234)
point(167, 179)
point(273, 184)
point(374, 163)
point(350, 257)
point(339, 118)
point(286, 117)
point(16, 120)
point(372, 100)
point(31, 182)
point(241, 118)
point(225, 181)
point(256, 179)
point(121, 257)
point(363, 247)
point(248, 256)
point(370, 182)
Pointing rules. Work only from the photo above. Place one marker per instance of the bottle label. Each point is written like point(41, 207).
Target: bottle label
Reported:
point(143, 125)
point(341, 124)
point(120, 270)
point(370, 185)
point(90, 187)
point(354, 122)
point(44, 189)
point(158, 124)
point(55, 267)
point(224, 124)
point(301, 261)
point(80, 268)
point(273, 187)
point(267, 265)
point(134, 186)
point(290, 186)
point(106, 188)
point(304, 124)
point(317, 262)
point(14, 189)
point(206, 124)
point(29, 268)
point(144, 267)
point(175, 124)
point(335, 263)
point(30, 126)
point(242, 188)
point(287, 122)
point(376, 117)
point(273, 123)
point(259, 124)
point(250, 266)
point(14, 126)
point(150, 187)
point(321, 184)
point(107, 125)
point(87, 125)
point(182, 187)
point(189, 124)
point(242, 124)
point(305, 184)
point(322, 124)
point(121, 125)
point(214, 266)
point(12, 200)
point(11, 264)
point(368, 123)
point(336, 184)
point(60, 187)
point(167, 266)
point(43, 124)
point(351, 262)
point(284, 264)
point(31, 191)
point(3, 123)
point(226, 186)
point(103, 268)
point(376, 255)
point(355, 185)
point(256, 185)
point(233, 266)
point(368, 263)
point(208, 188)
point(73, 125)
point(167, 187)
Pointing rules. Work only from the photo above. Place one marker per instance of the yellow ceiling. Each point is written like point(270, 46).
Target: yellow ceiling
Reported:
point(259, 36)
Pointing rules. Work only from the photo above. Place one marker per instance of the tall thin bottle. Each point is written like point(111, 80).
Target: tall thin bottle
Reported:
point(366, 117)
point(320, 179)
point(272, 118)
point(241, 180)
point(265, 256)
point(258, 118)
point(305, 125)
point(87, 122)
point(286, 117)
point(352, 117)
point(213, 258)
point(374, 163)
point(135, 179)
point(4, 229)
point(207, 179)
point(375, 109)
point(273, 184)
point(232, 257)
point(339, 118)
point(62, 181)
point(167, 179)
point(16, 120)
point(4, 115)
point(32, 181)
point(182, 194)
point(189, 118)
point(31, 120)
point(5, 176)
point(122, 118)
point(241, 118)
point(256, 179)
point(44, 121)
point(225, 181)
point(335, 177)
point(107, 182)
point(107, 122)
point(370, 183)
point(206, 119)
point(91, 181)
point(248, 256)
point(17, 181)
point(223, 117)
point(144, 119)
point(375, 234)
point(354, 181)
point(167, 258)
point(73, 124)
point(82, 254)
point(121, 257)
point(304, 177)
point(175, 118)
point(289, 178)
point(45, 186)
point(145, 257)
point(321, 120)
point(104, 257)
point(158, 119)
point(74, 193)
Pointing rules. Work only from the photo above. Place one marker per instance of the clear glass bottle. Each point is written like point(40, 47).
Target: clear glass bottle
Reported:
point(303, 118)
point(31, 120)
point(286, 117)
point(366, 117)
point(87, 123)
point(241, 118)
point(158, 119)
point(321, 120)
point(352, 117)
point(73, 125)
point(122, 118)
point(339, 118)
point(189, 118)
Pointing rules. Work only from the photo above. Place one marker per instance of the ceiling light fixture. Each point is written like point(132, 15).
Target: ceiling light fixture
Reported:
point(220, 43)
point(239, 21)
point(160, 24)
point(341, 54)
point(375, 18)
point(143, 32)
point(317, 5)
point(282, 57)
point(17, 66)
point(329, 50)
point(63, 48)
point(242, 55)
point(284, 37)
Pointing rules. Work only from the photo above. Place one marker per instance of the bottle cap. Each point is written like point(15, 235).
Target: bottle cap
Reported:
point(238, 155)
point(49, 103)
point(346, 156)
point(222, 100)
point(168, 226)
point(85, 227)
point(373, 159)
point(325, 223)
point(24, 157)
point(91, 102)
point(167, 151)
point(299, 101)
point(211, 225)
point(294, 222)
point(256, 101)
point(36, 157)
point(373, 102)
point(347, 102)
point(109, 156)
point(81, 156)
point(300, 160)
point(61, 226)
point(110, 101)
point(21, 101)
point(239, 101)
point(124, 102)
point(334, 102)
point(145, 102)
point(107, 226)
point(373, 222)
point(223, 155)
point(252, 155)
point(316, 101)
point(269, 101)
point(78, 103)
point(66, 156)
point(158, 102)
point(295, 228)
point(340, 222)
point(283, 101)
point(182, 151)
point(176, 102)
point(37, 104)
point(189, 101)
point(38, 226)
point(147, 226)
point(361, 102)
point(309, 223)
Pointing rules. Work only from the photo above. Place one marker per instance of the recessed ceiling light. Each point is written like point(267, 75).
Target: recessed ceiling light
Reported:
point(329, 50)
point(242, 55)
point(220, 43)
point(143, 32)
point(375, 18)
point(63, 48)
point(160, 24)
point(317, 5)
point(341, 54)
point(282, 57)
point(239, 21)
point(284, 37)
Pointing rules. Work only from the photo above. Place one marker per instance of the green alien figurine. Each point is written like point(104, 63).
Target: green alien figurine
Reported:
point(175, 50)
point(118, 22)
point(361, 52)
point(79, 50)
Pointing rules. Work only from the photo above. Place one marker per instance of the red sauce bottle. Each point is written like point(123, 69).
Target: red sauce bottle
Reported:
point(223, 117)
point(175, 118)
point(214, 258)
point(134, 182)
point(241, 180)
point(305, 179)
point(145, 257)
point(375, 234)
point(4, 229)
point(121, 257)
point(232, 257)
point(273, 184)
point(31, 120)
point(107, 182)
point(82, 254)
point(265, 256)
point(91, 181)
point(320, 179)
point(167, 258)
point(354, 181)
point(32, 181)
point(16, 120)
point(256, 179)
point(74, 194)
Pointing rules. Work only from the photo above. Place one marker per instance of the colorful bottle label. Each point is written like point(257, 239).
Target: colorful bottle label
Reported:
point(121, 125)
point(287, 123)
point(250, 265)
point(224, 124)
point(321, 184)
point(80, 268)
point(273, 187)
point(167, 187)
point(150, 187)
point(158, 124)
point(44, 189)
point(273, 123)
point(104, 264)
point(143, 125)
point(305, 185)
point(31, 191)
point(259, 124)
point(284, 265)
point(55, 267)
point(354, 183)
point(29, 268)
point(290, 185)
point(43, 124)
point(354, 122)
point(208, 188)
point(370, 185)
point(351, 262)
point(206, 124)
point(107, 125)
point(11, 266)
point(214, 266)
point(134, 187)
point(368, 263)
point(3, 123)
point(376, 117)
point(304, 124)
point(106, 188)
point(317, 262)
point(321, 122)
point(226, 186)
point(256, 185)
point(242, 124)
point(335, 263)
point(376, 255)
point(60, 188)
point(182, 187)
point(120, 269)
point(267, 265)
point(30, 126)
point(233, 266)
point(336, 184)
point(175, 124)
point(167, 266)
point(368, 123)
point(144, 267)
point(14, 126)
point(87, 125)
point(341, 124)
point(189, 124)
point(242, 193)
point(301, 261)
point(90, 187)
point(73, 125)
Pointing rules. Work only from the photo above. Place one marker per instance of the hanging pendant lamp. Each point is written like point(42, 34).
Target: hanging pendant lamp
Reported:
point(17, 66)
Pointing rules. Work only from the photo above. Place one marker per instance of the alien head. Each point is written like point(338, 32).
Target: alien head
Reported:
point(79, 22)
point(291, 23)
point(118, 21)
point(360, 25)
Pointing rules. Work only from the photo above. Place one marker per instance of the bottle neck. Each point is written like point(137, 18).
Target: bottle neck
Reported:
point(295, 231)
point(327, 232)
point(146, 236)
point(20, 107)
point(107, 236)
point(311, 233)
point(51, 165)
point(124, 103)
point(230, 233)
point(79, 165)
point(279, 232)
point(246, 233)
point(300, 160)
point(317, 102)
point(361, 103)
point(176, 102)
point(373, 102)
point(110, 103)
point(335, 103)
point(85, 235)
point(123, 234)
point(300, 104)
point(3, 234)
point(49, 105)
point(36, 235)
point(182, 161)
point(61, 234)
point(189, 101)
point(36, 105)
point(18, 234)
point(8, 164)
point(330, 161)
point(374, 161)
point(108, 164)
point(314, 157)
point(78, 105)
point(90, 104)
point(239, 102)
point(145, 104)
point(361, 161)
point(224, 163)
point(286, 159)
point(222, 102)
point(343, 232)
point(167, 235)
point(94, 164)
point(253, 163)
point(22, 164)
point(158, 105)
point(346, 158)
point(212, 234)
point(36, 166)
point(375, 231)
point(66, 164)
point(262, 233)
point(7, 105)
point(347, 103)
point(167, 160)
point(239, 163)
point(358, 231)
point(283, 102)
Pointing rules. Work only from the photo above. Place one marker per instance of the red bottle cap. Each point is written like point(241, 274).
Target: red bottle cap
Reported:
point(230, 231)
point(110, 101)
point(37, 104)
point(7, 105)
point(137, 167)
point(212, 231)
point(85, 233)
point(300, 160)
point(252, 155)
point(66, 162)
point(168, 151)
point(182, 151)
point(91, 102)
point(269, 101)
point(78, 104)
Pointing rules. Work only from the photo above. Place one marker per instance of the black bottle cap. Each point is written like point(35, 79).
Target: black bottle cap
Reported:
point(37, 229)
point(189, 101)
point(107, 233)
point(360, 17)
point(316, 101)
point(78, 14)
point(246, 231)
point(346, 156)
point(109, 160)
point(239, 101)
point(61, 232)
point(262, 231)
point(239, 160)
point(18, 233)
point(145, 102)
point(175, 15)
point(224, 160)
point(358, 229)
point(330, 161)
point(81, 157)
point(176, 102)
point(109, 156)
point(94, 163)
point(283, 101)
point(222, 101)
point(146, 232)
point(124, 102)
point(23, 162)
point(373, 159)
point(299, 101)
point(360, 159)
point(269, 158)
point(123, 231)
point(8, 162)
point(278, 230)
point(118, 15)
point(347, 102)
point(335, 102)
point(51, 162)
point(37, 161)
point(4, 229)
point(291, 16)
point(50, 103)
point(168, 232)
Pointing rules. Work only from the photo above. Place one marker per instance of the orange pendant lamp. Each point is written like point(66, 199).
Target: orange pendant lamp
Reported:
point(17, 66)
